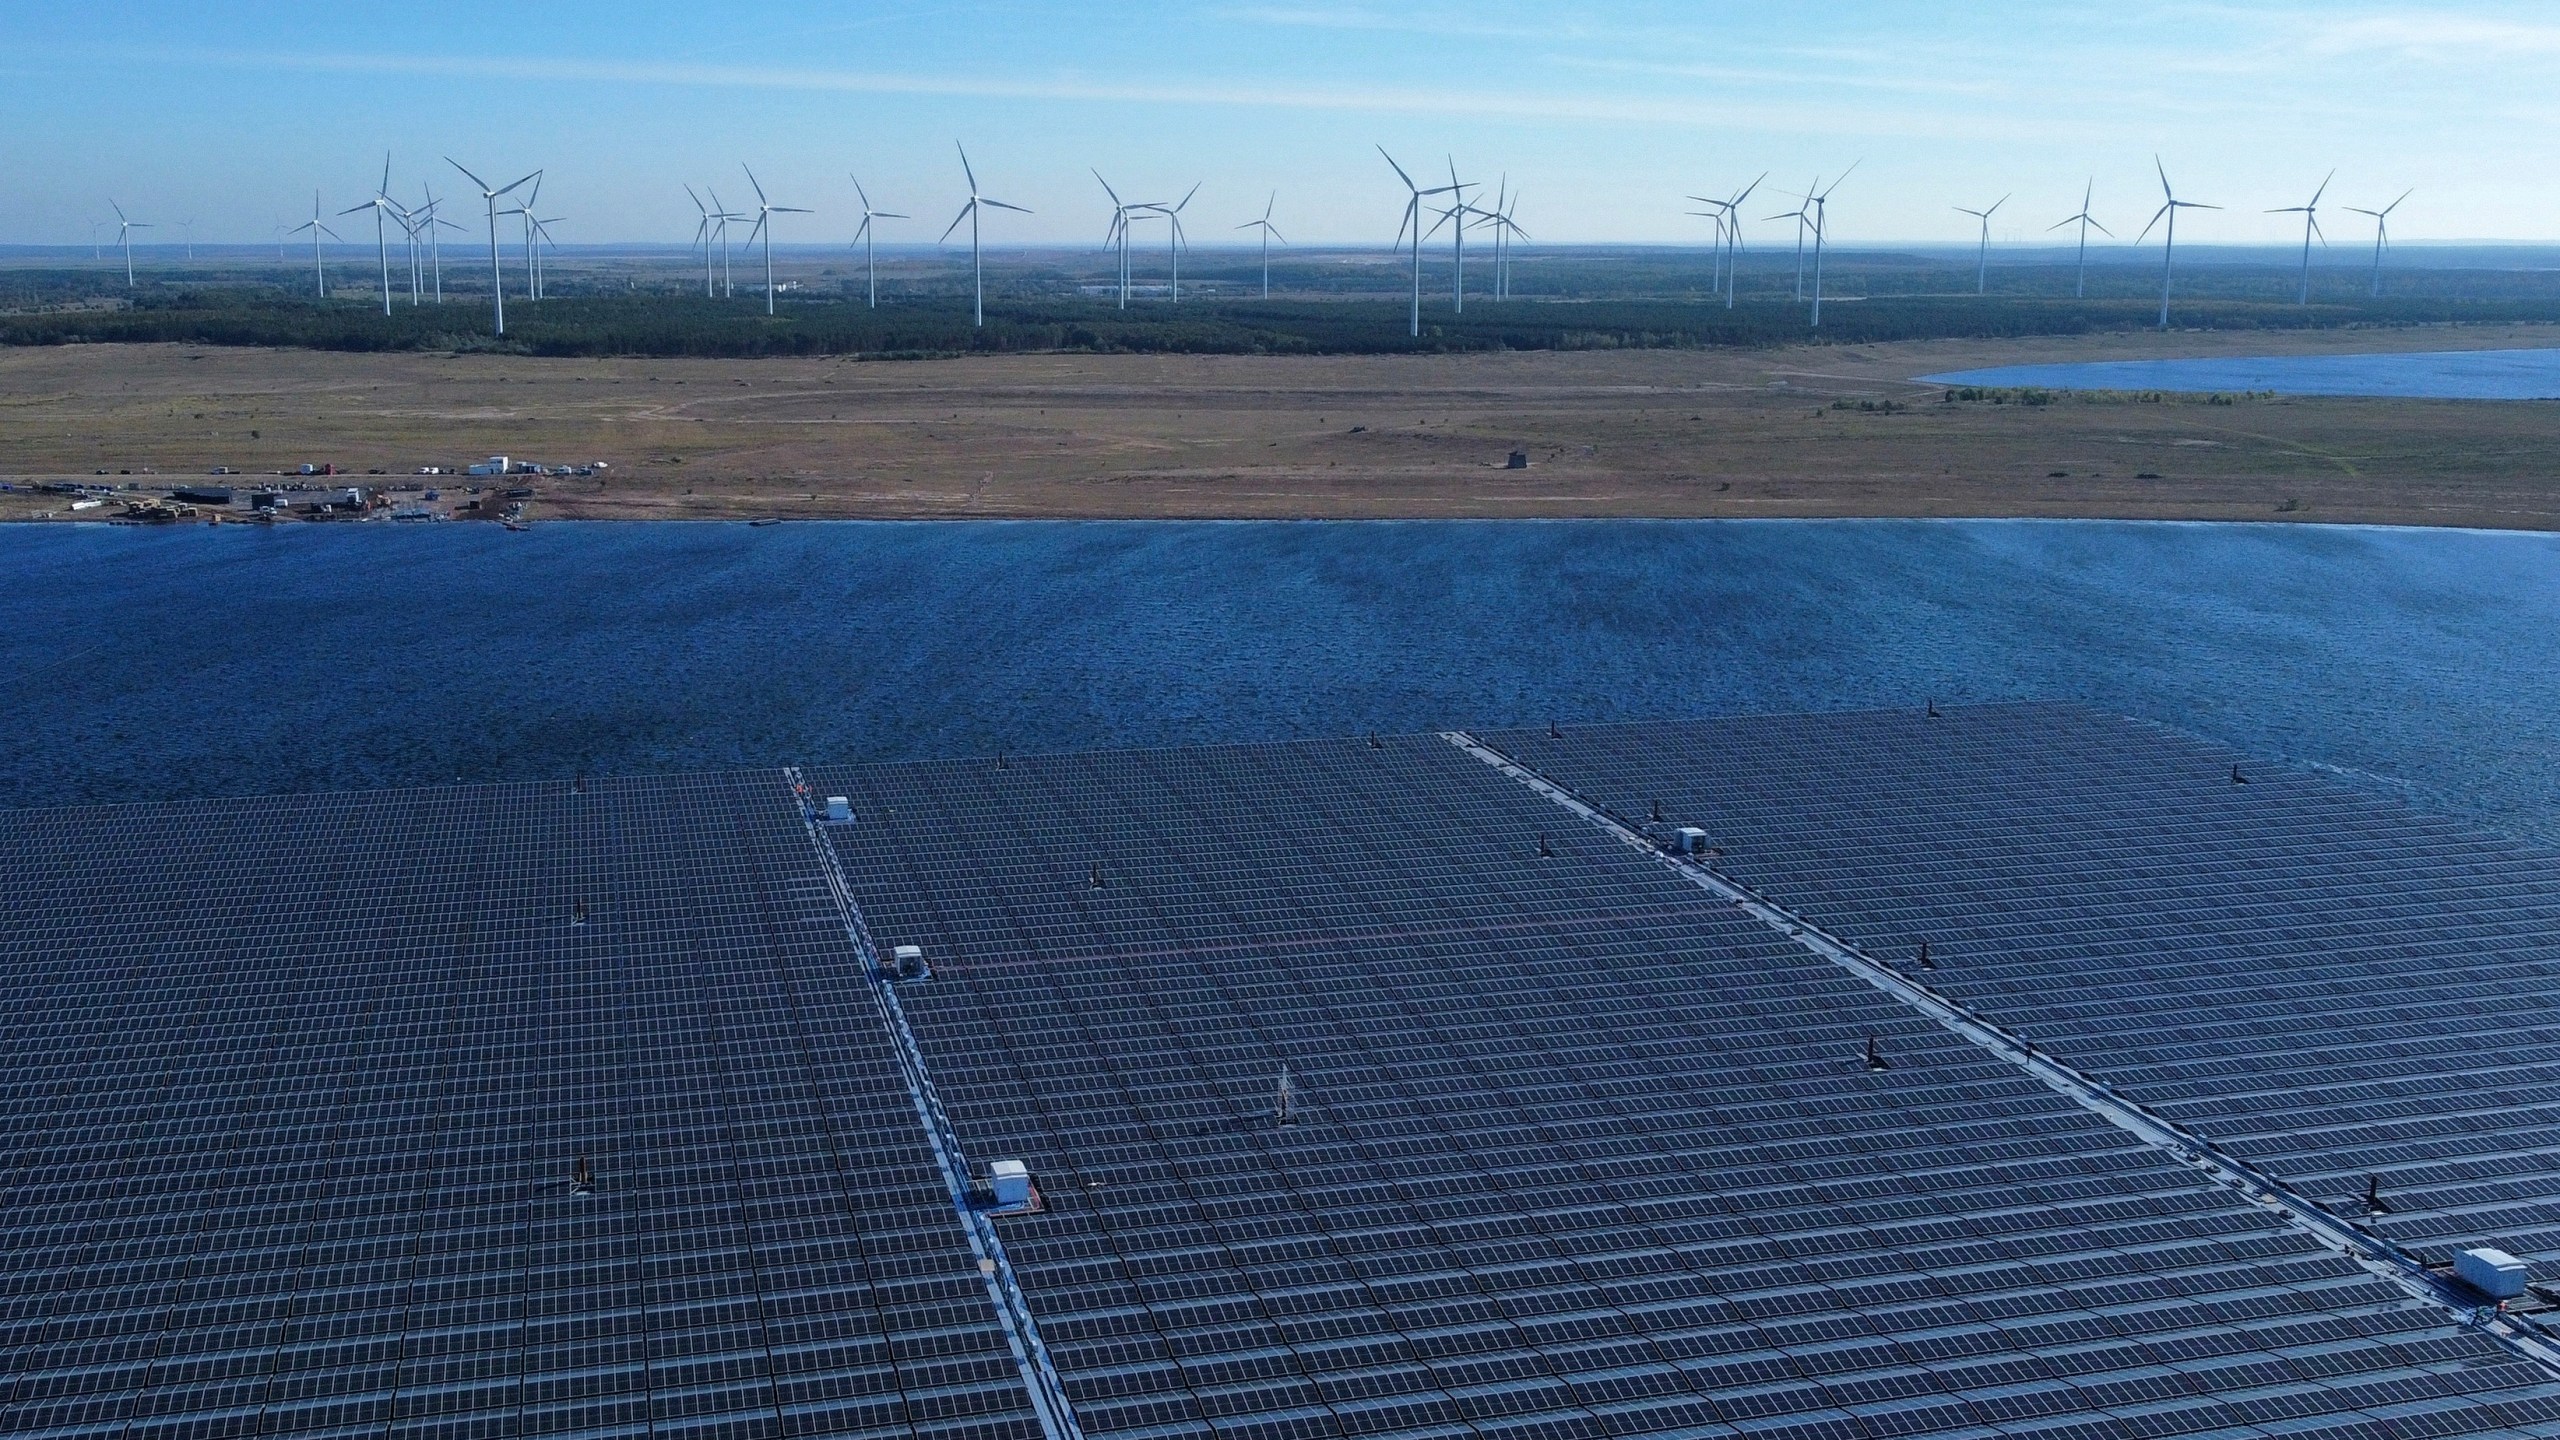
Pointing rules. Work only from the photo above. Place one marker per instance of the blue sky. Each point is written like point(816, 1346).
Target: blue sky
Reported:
point(1605, 114)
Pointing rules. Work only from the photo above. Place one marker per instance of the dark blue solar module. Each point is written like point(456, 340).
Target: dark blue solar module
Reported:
point(1573, 1147)
point(2326, 984)
point(297, 1091)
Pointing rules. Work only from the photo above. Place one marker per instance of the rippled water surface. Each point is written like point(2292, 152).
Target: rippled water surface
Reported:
point(174, 662)
point(2439, 375)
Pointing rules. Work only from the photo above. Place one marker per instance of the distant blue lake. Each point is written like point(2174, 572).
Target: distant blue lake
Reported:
point(138, 662)
point(2435, 375)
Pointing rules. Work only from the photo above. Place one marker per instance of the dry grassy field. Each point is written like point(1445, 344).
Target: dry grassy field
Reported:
point(1627, 433)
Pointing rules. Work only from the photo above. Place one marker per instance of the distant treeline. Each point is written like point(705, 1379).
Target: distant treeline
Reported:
point(675, 325)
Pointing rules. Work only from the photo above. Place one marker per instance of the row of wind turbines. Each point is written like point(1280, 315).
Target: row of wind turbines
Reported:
point(1454, 207)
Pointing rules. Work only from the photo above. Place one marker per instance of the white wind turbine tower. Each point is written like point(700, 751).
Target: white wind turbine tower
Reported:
point(2310, 214)
point(1505, 233)
point(702, 237)
point(1498, 220)
point(765, 211)
point(977, 255)
point(1455, 217)
point(1413, 222)
point(1270, 232)
point(1821, 204)
point(1803, 216)
point(532, 261)
point(435, 251)
point(868, 237)
point(2080, 286)
point(1116, 239)
point(1175, 241)
point(319, 274)
point(1715, 212)
point(497, 286)
point(382, 204)
point(722, 217)
point(188, 229)
point(124, 237)
point(1733, 237)
point(1982, 254)
point(542, 232)
point(2381, 234)
point(2169, 207)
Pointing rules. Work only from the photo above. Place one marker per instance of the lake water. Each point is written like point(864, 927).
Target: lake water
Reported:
point(2439, 375)
point(171, 662)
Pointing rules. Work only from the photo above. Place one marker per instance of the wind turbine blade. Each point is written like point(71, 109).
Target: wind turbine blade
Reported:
point(476, 182)
point(956, 219)
point(857, 191)
point(751, 180)
point(1392, 165)
point(350, 210)
point(2394, 205)
point(2323, 190)
point(1275, 232)
point(1268, 204)
point(791, 210)
point(964, 166)
point(1017, 209)
point(2155, 220)
point(890, 215)
point(1747, 189)
point(2101, 229)
point(535, 177)
point(696, 199)
point(1845, 174)
point(1106, 186)
point(1186, 196)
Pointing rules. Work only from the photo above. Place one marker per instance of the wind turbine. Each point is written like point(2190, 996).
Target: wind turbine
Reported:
point(542, 232)
point(2080, 287)
point(1505, 232)
point(2310, 214)
point(1715, 211)
point(1116, 239)
point(532, 261)
point(1821, 204)
point(379, 205)
point(2169, 207)
point(702, 237)
point(1455, 217)
point(1175, 241)
point(497, 287)
point(124, 237)
point(2381, 234)
point(1733, 237)
point(1269, 233)
point(1412, 221)
point(1803, 216)
point(435, 250)
point(188, 229)
point(723, 217)
point(319, 274)
point(765, 211)
point(977, 256)
point(1982, 255)
point(869, 239)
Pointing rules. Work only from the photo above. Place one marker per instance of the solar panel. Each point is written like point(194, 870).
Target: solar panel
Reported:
point(299, 1090)
point(2326, 983)
point(1575, 1149)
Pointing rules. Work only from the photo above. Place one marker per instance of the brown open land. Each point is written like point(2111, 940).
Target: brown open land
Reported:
point(1620, 433)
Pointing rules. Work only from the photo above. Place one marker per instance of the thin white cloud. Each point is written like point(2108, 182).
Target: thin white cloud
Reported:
point(1702, 112)
point(2436, 37)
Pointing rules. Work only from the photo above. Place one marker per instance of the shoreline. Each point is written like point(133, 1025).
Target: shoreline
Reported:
point(1807, 432)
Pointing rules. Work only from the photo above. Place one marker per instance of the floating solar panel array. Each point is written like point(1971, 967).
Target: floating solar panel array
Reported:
point(471, 1112)
point(2358, 999)
point(1369, 1093)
